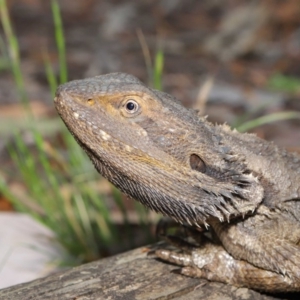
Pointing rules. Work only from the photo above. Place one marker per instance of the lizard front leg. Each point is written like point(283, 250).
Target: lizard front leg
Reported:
point(213, 263)
point(262, 262)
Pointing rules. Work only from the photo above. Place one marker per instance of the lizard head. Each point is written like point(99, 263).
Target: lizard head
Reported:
point(155, 150)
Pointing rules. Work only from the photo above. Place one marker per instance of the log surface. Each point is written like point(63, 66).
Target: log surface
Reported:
point(130, 275)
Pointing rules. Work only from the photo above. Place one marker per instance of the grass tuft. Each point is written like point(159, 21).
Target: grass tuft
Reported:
point(57, 187)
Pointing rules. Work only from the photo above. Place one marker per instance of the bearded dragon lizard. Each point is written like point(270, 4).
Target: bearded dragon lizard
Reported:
point(245, 190)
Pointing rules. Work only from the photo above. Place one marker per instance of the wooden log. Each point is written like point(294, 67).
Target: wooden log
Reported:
point(131, 275)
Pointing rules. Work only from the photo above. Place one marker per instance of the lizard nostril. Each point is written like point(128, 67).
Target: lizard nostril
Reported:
point(197, 163)
point(90, 101)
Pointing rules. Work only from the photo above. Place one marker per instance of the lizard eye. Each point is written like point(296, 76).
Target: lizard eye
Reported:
point(131, 106)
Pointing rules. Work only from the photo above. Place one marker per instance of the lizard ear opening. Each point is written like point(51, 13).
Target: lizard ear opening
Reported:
point(197, 163)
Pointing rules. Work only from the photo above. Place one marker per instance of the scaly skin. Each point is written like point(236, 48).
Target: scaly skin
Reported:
point(246, 190)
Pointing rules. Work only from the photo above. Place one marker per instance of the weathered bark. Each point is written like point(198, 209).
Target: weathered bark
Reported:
point(131, 275)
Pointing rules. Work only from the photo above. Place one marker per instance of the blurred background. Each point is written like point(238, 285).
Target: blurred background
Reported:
point(235, 61)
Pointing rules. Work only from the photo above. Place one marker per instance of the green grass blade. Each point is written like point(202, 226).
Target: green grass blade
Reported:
point(60, 41)
point(86, 224)
point(50, 75)
point(158, 70)
point(284, 83)
point(280, 116)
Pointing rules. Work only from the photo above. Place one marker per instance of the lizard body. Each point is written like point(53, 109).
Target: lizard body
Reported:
point(177, 163)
